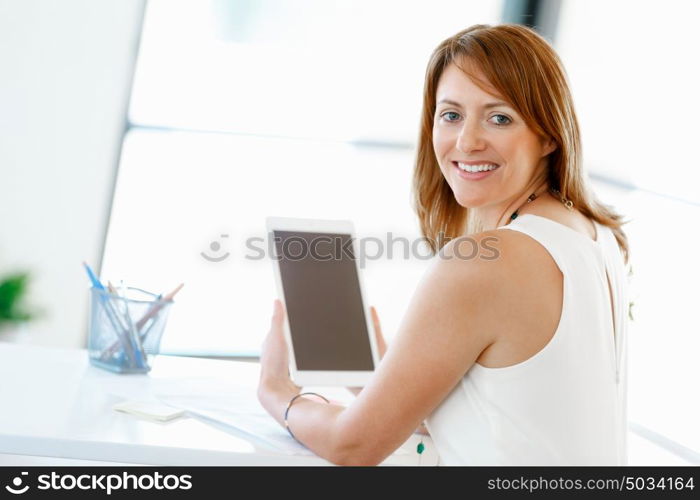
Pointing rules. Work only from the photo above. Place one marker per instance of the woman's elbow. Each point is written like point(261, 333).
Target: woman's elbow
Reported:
point(357, 460)
point(354, 448)
point(357, 456)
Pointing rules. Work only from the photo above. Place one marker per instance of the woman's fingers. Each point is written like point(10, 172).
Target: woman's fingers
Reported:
point(355, 390)
point(277, 313)
point(274, 357)
point(381, 343)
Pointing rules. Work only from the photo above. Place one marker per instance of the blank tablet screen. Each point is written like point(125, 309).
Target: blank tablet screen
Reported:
point(323, 299)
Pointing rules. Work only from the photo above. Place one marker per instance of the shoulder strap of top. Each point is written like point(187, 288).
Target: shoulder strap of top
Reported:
point(545, 232)
point(563, 243)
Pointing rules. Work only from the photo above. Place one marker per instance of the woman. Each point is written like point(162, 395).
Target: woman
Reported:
point(515, 356)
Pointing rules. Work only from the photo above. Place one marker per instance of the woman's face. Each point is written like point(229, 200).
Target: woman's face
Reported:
point(468, 128)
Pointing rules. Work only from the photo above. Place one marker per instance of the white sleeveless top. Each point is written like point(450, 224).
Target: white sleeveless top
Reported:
point(567, 404)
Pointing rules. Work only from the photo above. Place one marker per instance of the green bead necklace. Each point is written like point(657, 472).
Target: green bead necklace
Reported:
point(568, 203)
point(420, 448)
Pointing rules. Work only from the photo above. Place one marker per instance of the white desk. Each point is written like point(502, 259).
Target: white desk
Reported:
point(57, 410)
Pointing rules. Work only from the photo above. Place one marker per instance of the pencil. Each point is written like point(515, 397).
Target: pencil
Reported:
point(132, 333)
point(157, 307)
point(110, 312)
point(140, 323)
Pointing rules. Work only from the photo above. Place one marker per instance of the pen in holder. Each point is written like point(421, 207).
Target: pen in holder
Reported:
point(125, 331)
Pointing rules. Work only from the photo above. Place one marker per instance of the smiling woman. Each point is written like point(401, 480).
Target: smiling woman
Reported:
point(505, 87)
point(514, 360)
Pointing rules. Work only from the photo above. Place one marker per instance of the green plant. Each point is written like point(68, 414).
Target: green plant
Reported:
point(13, 289)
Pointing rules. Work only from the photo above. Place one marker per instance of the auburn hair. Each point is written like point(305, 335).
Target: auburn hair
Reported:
point(524, 68)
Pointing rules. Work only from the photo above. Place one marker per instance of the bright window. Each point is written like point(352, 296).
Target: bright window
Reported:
point(636, 95)
point(244, 109)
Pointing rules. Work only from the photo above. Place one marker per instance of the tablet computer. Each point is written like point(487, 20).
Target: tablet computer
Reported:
point(328, 328)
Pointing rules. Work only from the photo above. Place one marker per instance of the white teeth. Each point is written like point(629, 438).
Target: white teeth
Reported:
point(477, 168)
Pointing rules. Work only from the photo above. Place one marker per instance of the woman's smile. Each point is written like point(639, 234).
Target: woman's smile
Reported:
point(475, 172)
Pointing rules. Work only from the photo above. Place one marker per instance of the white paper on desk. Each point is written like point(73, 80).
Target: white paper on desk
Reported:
point(238, 412)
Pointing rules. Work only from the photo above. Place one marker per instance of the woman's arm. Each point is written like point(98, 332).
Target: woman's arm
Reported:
point(449, 322)
point(382, 347)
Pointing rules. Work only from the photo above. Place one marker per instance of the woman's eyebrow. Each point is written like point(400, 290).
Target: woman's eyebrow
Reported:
point(487, 105)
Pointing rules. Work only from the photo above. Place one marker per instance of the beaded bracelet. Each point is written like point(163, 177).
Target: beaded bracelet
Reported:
point(289, 405)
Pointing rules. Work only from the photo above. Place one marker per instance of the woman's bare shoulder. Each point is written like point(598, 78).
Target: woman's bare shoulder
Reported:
point(526, 289)
point(495, 252)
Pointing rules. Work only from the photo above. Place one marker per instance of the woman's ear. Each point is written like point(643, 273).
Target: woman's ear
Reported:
point(548, 146)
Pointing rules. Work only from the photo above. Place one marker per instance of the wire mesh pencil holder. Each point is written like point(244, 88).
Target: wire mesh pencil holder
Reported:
point(125, 331)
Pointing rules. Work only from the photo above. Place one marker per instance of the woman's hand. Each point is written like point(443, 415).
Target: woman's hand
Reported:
point(381, 343)
point(275, 381)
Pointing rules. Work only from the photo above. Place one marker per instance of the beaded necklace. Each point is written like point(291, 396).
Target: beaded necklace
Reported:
point(567, 203)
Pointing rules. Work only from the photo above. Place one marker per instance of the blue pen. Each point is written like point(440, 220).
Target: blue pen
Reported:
point(111, 314)
point(95, 282)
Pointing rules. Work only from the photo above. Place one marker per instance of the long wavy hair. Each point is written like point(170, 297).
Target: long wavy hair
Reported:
point(525, 69)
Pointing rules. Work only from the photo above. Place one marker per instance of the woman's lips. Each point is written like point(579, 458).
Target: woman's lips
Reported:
point(474, 176)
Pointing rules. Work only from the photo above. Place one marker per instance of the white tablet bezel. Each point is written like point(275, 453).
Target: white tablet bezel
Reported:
point(323, 377)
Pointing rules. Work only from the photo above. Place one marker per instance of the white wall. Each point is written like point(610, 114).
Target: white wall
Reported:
point(65, 74)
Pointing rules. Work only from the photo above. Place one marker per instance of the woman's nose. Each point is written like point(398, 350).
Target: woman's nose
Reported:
point(470, 137)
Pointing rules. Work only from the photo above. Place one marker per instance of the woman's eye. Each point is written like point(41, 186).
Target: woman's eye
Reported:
point(450, 116)
point(501, 123)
